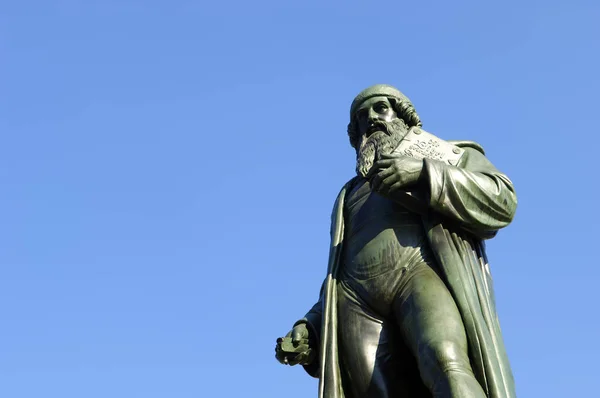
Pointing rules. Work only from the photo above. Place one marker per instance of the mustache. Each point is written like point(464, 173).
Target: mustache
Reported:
point(378, 126)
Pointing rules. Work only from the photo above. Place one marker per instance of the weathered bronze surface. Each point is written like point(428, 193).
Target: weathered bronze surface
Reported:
point(407, 307)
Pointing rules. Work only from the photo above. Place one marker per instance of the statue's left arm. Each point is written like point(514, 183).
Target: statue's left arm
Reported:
point(475, 194)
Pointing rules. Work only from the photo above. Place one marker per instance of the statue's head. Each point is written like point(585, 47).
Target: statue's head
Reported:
point(360, 117)
point(380, 116)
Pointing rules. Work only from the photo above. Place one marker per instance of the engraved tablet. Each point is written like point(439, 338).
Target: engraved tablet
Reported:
point(420, 144)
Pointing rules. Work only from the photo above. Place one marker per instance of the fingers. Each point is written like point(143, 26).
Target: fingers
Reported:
point(299, 333)
point(396, 186)
point(298, 359)
point(372, 172)
point(385, 185)
point(394, 179)
point(385, 179)
point(386, 173)
point(302, 358)
point(394, 172)
point(391, 155)
point(383, 163)
point(296, 335)
point(287, 358)
point(296, 353)
point(280, 355)
point(377, 166)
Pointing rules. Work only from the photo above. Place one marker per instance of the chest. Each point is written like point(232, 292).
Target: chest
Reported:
point(362, 206)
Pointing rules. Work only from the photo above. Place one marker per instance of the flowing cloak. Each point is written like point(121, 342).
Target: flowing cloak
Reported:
point(465, 204)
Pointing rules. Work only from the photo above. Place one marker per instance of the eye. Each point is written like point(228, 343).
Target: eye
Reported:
point(381, 107)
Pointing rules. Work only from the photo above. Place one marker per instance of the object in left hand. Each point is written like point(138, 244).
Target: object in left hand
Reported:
point(290, 353)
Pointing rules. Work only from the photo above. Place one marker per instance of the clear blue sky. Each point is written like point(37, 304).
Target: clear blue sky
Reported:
point(168, 171)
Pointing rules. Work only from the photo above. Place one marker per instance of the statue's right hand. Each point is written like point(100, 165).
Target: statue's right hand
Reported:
point(295, 348)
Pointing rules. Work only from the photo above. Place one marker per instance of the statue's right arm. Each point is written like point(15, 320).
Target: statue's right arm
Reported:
point(313, 320)
point(475, 194)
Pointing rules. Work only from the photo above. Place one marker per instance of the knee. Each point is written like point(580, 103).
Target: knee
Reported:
point(442, 357)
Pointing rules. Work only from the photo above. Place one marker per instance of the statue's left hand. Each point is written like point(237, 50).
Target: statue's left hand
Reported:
point(393, 172)
point(295, 347)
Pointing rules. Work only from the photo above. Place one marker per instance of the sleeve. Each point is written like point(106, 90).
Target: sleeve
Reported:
point(313, 320)
point(474, 194)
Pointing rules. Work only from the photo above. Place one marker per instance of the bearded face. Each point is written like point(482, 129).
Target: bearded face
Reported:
point(380, 131)
point(384, 140)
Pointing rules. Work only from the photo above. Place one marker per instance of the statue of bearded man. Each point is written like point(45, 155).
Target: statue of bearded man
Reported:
point(407, 307)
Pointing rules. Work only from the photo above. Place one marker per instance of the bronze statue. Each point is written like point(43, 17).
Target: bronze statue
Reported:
point(407, 307)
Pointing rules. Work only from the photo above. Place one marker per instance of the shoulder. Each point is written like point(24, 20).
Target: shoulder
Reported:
point(474, 158)
point(343, 193)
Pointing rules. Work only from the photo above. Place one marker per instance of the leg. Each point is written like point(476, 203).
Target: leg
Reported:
point(434, 332)
point(368, 348)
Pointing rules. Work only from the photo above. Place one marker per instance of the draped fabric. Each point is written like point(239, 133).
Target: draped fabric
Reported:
point(468, 203)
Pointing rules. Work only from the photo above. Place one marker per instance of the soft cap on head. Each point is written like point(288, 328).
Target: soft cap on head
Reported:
point(378, 90)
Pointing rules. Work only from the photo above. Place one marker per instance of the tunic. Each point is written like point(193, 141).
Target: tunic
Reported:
point(383, 240)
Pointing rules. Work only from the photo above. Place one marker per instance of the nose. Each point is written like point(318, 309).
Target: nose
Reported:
point(373, 116)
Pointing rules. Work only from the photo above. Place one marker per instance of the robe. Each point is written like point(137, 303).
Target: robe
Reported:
point(464, 205)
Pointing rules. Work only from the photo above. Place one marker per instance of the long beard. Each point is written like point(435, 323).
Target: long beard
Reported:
point(378, 143)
